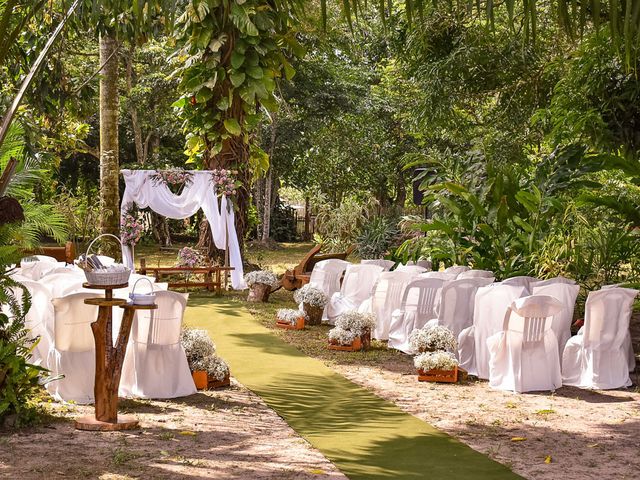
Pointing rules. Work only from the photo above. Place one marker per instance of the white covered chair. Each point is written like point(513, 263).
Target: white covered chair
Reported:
point(420, 263)
point(386, 264)
point(387, 297)
point(491, 303)
point(155, 364)
point(61, 284)
point(447, 277)
point(35, 270)
point(412, 269)
point(521, 281)
point(524, 356)
point(72, 353)
point(551, 281)
point(598, 356)
point(457, 269)
point(418, 306)
point(326, 275)
point(68, 270)
point(457, 300)
point(39, 321)
point(476, 274)
point(566, 294)
point(357, 286)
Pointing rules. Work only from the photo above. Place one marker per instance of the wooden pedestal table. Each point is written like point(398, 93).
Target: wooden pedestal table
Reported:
point(109, 359)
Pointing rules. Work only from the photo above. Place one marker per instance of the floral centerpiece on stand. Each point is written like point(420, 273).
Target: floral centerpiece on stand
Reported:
point(313, 300)
point(436, 361)
point(188, 257)
point(352, 331)
point(290, 319)
point(260, 284)
point(207, 368)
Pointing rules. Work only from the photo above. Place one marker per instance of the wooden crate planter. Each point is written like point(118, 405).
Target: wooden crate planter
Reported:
point(313, 313)
point(299, 325)
point(201, 379)
point(362, 342)
point(214, 384)
point(259, 292)
point(442, 376)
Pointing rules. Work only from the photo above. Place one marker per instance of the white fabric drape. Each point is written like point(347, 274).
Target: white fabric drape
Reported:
point(200, 193)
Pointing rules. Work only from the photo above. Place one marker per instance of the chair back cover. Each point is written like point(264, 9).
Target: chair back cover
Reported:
point(440, 275)
point(566, 293)
point(35, 270)
point(326, 275)
point(551, 281)
point(359, 281)
point(65, 271)
point(155, 364)
point(521, 281)
point(457, 269)
point(46, 258)
point(599, 356)
point(417, 308)
point(61, 284)
point(476, 274)
point(386, 264)
point(39, 320)
point(524, 357)
point(387, 297)
point(412, 269)
point(457, 303)
point(491, 304)
point(72, 322)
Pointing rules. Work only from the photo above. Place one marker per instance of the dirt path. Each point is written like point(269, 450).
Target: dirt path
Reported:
point(227, 434)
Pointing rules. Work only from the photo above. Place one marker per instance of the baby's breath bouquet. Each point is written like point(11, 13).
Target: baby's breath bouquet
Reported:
point(311, 295)
point(351, 325)
point(433, 338)
point(435, 361)
point(264, 277)
point(290, 316)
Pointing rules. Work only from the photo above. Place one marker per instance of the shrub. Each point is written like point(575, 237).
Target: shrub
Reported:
point(377, 237)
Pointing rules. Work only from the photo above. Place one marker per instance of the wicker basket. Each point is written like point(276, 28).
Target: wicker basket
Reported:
point(142, 298)
point(106, 277)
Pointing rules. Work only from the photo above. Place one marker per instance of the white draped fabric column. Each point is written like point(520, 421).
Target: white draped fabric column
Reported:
point(199, 193)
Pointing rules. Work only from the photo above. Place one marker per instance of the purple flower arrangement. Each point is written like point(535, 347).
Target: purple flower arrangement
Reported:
point(224, 182)
point(174, 177)
point(131, 229)
point(188, 257)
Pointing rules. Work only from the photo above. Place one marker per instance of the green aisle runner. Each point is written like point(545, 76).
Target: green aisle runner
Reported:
point(364, 436)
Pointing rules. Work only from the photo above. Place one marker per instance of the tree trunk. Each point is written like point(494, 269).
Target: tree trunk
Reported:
point(307, 219)
point(133, 111)
point(259, 199)
point(266, 214)
point(109, 164)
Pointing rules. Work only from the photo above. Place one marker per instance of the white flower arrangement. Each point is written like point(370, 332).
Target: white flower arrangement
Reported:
point(341, 336)
point(357, 322)
point(197, 345)
point(435, 361)
point(215, 367)
point(289, 315)
point(261, 276)
point(311, 295)
point(433, 338)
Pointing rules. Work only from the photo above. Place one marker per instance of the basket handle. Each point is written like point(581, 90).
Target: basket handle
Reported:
point(86, 255)
point(133, 290)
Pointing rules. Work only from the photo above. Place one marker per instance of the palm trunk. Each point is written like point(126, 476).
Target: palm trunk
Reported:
point(109, 164)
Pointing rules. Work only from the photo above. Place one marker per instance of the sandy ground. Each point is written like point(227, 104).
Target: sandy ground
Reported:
point(229, 434)
point(581, 434)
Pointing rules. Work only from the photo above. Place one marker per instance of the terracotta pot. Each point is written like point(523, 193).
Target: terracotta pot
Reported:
point(314, 313)
point(200, 378)
point(259, 292)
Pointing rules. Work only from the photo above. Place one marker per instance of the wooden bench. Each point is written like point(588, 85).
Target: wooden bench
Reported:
point(212, 275)
point(301, 274)
point(67, 253)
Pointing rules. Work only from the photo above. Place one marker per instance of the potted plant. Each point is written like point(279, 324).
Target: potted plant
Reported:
point(206, 367)
point(352, 331)
point(260, 284)
point(432, 338)
point(290, 319)
point(313, 301)
point(437, 366)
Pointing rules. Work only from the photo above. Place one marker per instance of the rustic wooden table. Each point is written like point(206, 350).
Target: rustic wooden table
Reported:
point(109, 359)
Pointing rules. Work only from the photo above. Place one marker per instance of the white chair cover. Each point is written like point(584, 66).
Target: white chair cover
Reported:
point(387, 297)
point(491, 303)
point(457, 269)
point(418, 306)
point(326, 276)
point(73, 351)
point(566, 294)
point(68, 270)
point(412, 269)
point(46, 258)
point(39, 321)
point(598, 357)
point(155, 365)
point(524, 356)
point(386, 264)
point(35, 270)
point(523, 281)
point(357, 286)
point(457, 300)
point(476, 274)
point(551, 281)
point(61, 284)
point(447, 277)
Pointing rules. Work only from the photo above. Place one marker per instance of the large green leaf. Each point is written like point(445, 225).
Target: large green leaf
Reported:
point(232, 126)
